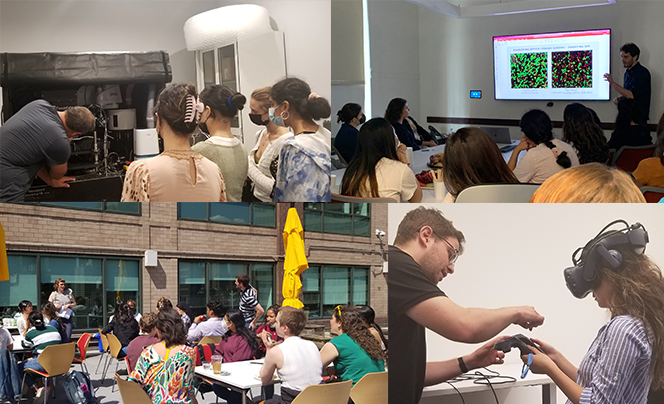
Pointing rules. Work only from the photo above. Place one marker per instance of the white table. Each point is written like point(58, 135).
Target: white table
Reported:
point(469, 387)
point(242, 377)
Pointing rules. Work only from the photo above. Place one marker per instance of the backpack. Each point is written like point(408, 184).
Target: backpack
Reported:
point(78, 388)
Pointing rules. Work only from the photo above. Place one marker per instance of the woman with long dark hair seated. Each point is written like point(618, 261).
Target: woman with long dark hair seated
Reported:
point(396, 113)
point(238, 344)
point(472, 158)
point(378, 169)
point(628, 131)
point(545, 155)
point(581, 131)
point(124, 326)
point(369, 317)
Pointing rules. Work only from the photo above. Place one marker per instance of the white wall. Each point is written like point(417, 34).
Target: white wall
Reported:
point(515, 255)
point(96, 26)
point(456, 57)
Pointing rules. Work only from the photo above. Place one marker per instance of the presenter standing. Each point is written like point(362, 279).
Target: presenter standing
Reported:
point(636, 84)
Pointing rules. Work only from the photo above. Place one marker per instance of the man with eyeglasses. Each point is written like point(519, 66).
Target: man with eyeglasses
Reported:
point(424, 252)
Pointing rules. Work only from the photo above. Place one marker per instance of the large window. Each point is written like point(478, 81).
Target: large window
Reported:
point(254, 214)
point(32, 278)
point(128, 208)
point(325, 287)
point(202, 281)
point(339, 218)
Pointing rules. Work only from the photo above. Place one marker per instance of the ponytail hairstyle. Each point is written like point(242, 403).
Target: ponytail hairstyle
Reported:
point(352, 324)
point(223, 100)
point(348, 112)
point(51, 312)
point(37, 320)
point(308, 105)
point(369, 316)
point(537, 126)
point(235, 316)
point(275, 309)
point(174, 103)
point(23, 305)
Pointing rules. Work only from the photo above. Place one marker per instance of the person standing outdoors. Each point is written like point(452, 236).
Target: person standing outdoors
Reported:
point(249, 306)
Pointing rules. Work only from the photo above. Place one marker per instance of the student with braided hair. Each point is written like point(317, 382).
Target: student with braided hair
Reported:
point(355, 352)
point(178, 174)
point(545, 155)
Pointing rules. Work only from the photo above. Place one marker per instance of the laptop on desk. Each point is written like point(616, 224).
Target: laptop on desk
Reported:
point(502, 138)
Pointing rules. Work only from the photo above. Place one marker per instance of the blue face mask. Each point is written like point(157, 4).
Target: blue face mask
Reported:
point(277, 120)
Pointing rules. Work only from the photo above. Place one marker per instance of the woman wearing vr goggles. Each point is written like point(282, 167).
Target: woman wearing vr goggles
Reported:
point(627, 356)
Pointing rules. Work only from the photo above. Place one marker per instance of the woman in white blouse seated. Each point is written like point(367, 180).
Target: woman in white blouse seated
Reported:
point(264, 157)
point(545, 155)
point(378, 169)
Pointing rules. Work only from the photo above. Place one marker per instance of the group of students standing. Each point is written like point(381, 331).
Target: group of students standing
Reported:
point(290, 161)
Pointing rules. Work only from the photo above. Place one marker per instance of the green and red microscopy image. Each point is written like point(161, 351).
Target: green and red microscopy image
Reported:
point(572, 69)
point(528, 70)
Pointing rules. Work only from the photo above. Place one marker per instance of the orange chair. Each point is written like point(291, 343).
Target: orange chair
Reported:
point(82, 344)
point(629, 157)
point(652, 194)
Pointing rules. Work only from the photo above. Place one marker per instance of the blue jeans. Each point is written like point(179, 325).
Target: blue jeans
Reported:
point(30, 364)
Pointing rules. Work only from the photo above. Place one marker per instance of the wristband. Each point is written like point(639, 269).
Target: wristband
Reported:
point(462, 365)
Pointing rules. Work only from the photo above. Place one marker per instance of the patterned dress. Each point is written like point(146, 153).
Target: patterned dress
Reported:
point(166, 381)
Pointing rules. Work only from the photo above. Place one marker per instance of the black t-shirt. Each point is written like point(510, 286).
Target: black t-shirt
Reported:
point(346, 141)
point(407, 286)
point(33, 138)
point(637, 80)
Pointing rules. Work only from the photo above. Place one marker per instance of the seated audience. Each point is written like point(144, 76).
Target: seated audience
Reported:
point(296, 360)
point(545, 155)
point(368, 317)
point(269, 328)
point(650, 172)
point(473, 158)
point(51, 318)
point(213, 325)
point(627, 131)
point(166, 369)
point(238, 344)
point(588, 183)
point(124, 326)
point(185, 312)
point(163, 303)
point(134, 312)
point(587, 138)
point(355, 351)
point(38, 337)
point(422, 137)
point(222, 104)
point(397, 111)
point(25, 308)
point(264, 157)
point(138, 344)
point(178, 174)
point(346, 140)
point(304, 163)
point(6, 340)
point(378, 169)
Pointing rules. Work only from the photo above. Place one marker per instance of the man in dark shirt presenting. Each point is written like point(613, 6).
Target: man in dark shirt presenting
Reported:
point(35, 141)
point(636, 84)
point(425, 249)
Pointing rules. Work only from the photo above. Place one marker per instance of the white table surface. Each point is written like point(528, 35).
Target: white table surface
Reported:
point(468, 386)
point(243, 375)
point(420, 160)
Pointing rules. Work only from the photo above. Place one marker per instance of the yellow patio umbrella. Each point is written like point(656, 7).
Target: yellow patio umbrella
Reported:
point(295, 261)
point(4, 268)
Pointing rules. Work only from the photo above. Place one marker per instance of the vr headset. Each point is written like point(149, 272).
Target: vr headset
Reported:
point(602, 250)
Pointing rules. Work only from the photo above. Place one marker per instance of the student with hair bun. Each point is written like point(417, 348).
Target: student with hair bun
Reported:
point(346, 140)
point(545, 155)
point(39, 336)
point(304, 170)
point(178, 174)
point(222, 147)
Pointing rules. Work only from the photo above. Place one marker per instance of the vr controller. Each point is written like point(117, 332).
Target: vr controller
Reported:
point(516, 341)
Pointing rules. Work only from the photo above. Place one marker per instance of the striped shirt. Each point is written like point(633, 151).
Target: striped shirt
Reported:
point(616, 368)
point(248, 303)
point(38, 340)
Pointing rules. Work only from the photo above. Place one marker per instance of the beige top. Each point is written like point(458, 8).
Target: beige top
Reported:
point(174, 176)
point(395, 180)
point(539, 163)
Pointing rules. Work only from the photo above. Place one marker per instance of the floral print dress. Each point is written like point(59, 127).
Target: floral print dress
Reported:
point(166, 381)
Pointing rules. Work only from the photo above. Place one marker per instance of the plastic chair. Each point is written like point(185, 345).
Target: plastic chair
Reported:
point(497, 193)
point(333, 393)
point(56, 360)
point(104, 346)
point(336, 198)
point(612, 152)
point(210, 339)
point(652, 194)
point(115, 348)
point(82, 344)
point(628, 157)
point(371, 389)
point(132, 392)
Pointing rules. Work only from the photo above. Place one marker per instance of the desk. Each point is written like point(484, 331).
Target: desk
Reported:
point(242, 376)
point(468, 386)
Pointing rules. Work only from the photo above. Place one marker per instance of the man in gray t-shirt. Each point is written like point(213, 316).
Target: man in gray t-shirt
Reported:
point(35, 141)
